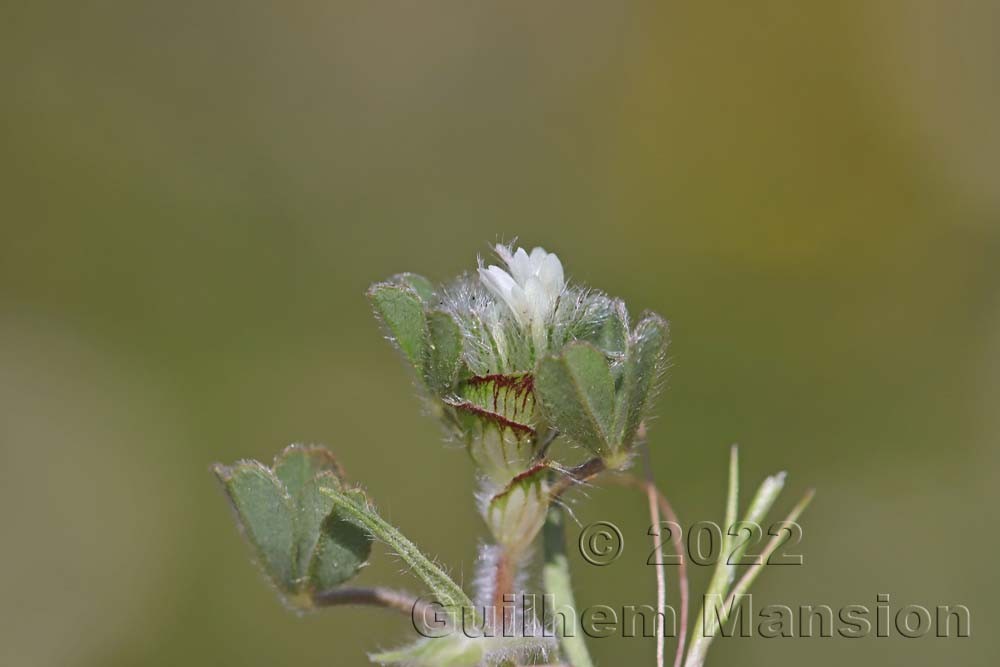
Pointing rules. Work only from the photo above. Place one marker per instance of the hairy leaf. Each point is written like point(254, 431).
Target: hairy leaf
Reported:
point(577, 392)
point(443, 353)
point(267, 517)
point(613, 335)
point(644, 363)
point(402, 311)
point(302, 543)
point(419, 284)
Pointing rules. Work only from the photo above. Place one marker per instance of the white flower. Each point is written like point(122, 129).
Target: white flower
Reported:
point(531, 289)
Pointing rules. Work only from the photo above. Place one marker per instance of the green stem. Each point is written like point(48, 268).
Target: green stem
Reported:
point(447, 591)
point(558, 584)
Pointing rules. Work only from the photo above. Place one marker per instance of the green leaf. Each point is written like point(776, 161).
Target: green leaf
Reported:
point(292, 525)
point(266, 516)
point(331, 549)
point(705, 633)
point(613, 335)
point(763, 500)
point(353, 505)
point(341, 550)
point(743, 585)
point(402, 311)
point(577, 393)
point(312, 508)
point(328, 551)
point(644, 363)
point(443, 353)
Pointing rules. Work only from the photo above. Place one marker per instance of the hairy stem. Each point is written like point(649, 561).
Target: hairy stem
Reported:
point(447, 591)
point(503, 586)
point(576, 475)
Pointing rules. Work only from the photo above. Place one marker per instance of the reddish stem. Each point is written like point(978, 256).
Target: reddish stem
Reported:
point(503, 586)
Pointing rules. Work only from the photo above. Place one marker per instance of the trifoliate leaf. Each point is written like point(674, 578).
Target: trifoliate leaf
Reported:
point(577, 393)
point(302, 543)
point(402, 311)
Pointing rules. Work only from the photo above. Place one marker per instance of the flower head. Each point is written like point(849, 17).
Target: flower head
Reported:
point(512, 352)
point(530, 287)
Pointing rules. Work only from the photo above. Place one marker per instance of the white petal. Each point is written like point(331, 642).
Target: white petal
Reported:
point(520, 266)
point(520, 305)
point(550, 273)
point(537, 255)
point(497, 281)
point(540, 301)
point(530, 287)
point(507, 290)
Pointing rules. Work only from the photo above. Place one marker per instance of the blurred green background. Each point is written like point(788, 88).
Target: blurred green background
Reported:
point(196, 195)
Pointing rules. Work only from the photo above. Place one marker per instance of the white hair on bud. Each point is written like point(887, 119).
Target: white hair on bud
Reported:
point(491, 338)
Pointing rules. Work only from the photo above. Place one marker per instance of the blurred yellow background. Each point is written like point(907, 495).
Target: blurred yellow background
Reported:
point(196, 195)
